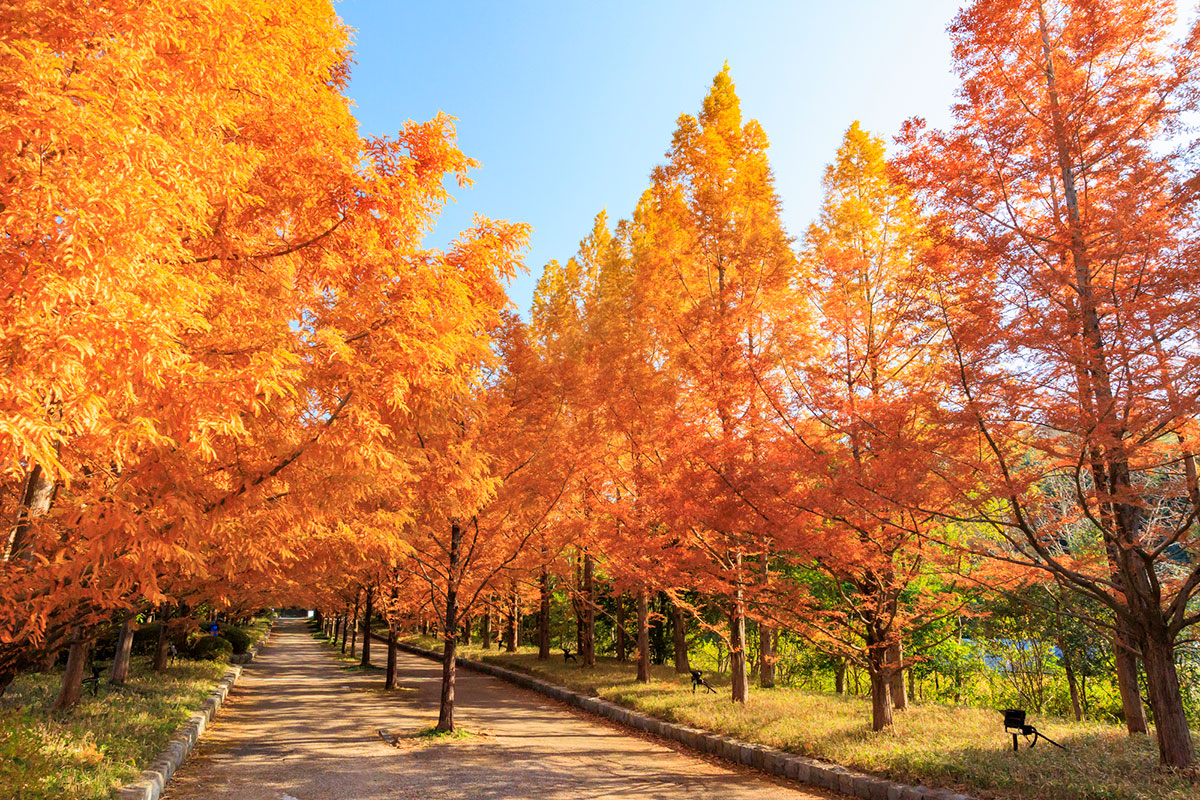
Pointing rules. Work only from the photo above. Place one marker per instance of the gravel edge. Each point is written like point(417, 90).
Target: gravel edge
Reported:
point(154, 779)
point(799, 769)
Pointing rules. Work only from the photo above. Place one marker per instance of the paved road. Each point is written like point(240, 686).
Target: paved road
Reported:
point(300, 727)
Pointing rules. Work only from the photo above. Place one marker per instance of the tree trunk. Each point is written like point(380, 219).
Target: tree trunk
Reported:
point(737, 650)
point(354, 625)
point(881, 700)
point(1072, 683)
point(1175, 748)
point(72, 678)
point(1127, 682)
point(485, 629)
point(35, 502)
point(160, 646)
point(466, 630)
point(450, 646)
point(766, 656)
point(367, 613)
point(588, 648)
point(389, 682)
point(839, 676)
point(679, 631)
point(514, 622)
point(643, 635)
point(543, 621)
point(622, 636)
point(120, 665)
point(424, 627)
point(899, 696)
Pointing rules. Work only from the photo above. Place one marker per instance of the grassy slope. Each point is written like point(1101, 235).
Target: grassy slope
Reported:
point(948, 746)
point(105, 741)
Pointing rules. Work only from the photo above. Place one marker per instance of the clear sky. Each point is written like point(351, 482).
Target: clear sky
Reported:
point(568, 105)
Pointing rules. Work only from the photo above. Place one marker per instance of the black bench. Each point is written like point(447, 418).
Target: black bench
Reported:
point(568, 655)
point(698, 681)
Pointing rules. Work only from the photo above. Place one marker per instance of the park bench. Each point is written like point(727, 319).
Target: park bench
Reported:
point(698, 681)
point(1014, 724)
point(93, 683)
point(568, 655)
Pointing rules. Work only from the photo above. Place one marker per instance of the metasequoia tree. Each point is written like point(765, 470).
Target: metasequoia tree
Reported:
point(1072, 308)
point(217, 320)
point(714, 262)
point(482, 489)
point(854, 395)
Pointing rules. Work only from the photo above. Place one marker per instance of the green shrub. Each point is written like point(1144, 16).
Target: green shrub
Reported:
point(145, 638)
point(238, 637)
point(212, 648)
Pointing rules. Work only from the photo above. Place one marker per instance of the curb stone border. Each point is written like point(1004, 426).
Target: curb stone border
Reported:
point(154, 779)
point(788, 766)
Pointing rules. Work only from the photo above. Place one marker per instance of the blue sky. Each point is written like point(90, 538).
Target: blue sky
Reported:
point(569, 105)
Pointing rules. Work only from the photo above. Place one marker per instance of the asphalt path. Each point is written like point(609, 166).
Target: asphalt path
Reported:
point(299, 726)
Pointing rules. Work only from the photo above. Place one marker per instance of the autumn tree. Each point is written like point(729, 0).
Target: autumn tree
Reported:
point(854, 395)
point(218, 321)
point(1071, 306)
point(714, 261)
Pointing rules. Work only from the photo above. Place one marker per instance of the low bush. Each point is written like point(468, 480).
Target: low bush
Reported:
point(240, 638)
point(212, 648)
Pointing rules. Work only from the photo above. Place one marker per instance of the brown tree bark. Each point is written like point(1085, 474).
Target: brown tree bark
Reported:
point(1127, 683)
point(485, 629)
point(643, 635)
point(368, 612)
point(543, 616)
point(389, 682)
point(160, 646)
point(766, 656)
point(354, 624)
point(679, 635)
point(72, 680)
point(120, 665)
point(1072, 682)
point(740, 685)
point(466, 630)
point(35, 502)
point(839, 676)
point(450, 646)
point(588, 644)
point(881, 700)
point(513, 634)
point(622, 636)
point(899, 695)
point(880, 673)
point(1166, 700)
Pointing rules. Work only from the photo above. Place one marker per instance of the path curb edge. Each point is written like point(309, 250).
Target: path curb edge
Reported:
point(788, 766)
point(154, 779)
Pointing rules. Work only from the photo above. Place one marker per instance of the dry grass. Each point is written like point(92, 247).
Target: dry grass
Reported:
point(952, 747)
point(105, 741)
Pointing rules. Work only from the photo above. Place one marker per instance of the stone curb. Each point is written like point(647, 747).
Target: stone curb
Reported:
point(766, 759)
point(154, 779)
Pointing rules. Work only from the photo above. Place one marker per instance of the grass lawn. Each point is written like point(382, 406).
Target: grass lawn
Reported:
point(105, 741)
point(951, 747)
